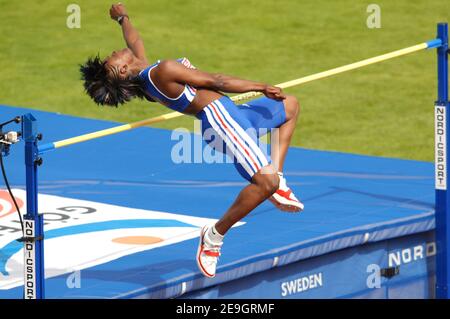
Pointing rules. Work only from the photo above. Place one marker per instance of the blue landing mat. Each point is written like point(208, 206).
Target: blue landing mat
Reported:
point(123, 219)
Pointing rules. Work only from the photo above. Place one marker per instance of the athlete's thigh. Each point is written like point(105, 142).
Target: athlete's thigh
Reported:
point(238, 134)
point(264, 114)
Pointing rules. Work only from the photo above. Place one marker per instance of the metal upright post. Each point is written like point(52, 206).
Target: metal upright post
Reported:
point(33, 222)
point(442, 128)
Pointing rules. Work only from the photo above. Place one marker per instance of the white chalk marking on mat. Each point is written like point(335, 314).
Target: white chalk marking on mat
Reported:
point(275, 261)
point(366, 237)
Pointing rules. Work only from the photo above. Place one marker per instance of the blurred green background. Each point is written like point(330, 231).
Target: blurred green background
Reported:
point(384, 109)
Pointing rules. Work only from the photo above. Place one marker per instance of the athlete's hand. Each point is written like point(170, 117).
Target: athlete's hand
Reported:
point(273, 92)
point(117, 10)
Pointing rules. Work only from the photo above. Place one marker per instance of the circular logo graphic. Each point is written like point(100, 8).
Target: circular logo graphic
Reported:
point(7, 205)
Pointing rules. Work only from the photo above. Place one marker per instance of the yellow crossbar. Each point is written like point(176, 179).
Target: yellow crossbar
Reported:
point(240, 97)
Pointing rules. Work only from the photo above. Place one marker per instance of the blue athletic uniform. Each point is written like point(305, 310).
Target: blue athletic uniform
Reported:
point(238, 126)
point(179, 103)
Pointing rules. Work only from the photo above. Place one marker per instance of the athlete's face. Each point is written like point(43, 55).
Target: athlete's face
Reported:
point(119, 62)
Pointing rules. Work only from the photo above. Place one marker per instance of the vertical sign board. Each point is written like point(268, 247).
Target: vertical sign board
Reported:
point(34, 280)
point(442, 196)
point(440, 148)
point(29, 260)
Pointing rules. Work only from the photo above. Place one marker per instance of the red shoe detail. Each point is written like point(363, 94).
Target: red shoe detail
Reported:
point(284, 193)
point(207, 252)
point(211, 253)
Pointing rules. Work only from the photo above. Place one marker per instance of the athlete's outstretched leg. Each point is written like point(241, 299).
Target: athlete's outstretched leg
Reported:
point(264, 183)
point(281, 137)
point(237, 132)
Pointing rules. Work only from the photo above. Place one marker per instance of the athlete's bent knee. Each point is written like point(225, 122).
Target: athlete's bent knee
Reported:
point(268, 182)
point(292, 107)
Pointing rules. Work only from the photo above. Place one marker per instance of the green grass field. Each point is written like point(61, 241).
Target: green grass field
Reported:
point(384, 110)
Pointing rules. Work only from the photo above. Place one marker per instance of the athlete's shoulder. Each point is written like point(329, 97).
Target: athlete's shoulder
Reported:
point(166, 67)
point(185, 61)
point(174, 65)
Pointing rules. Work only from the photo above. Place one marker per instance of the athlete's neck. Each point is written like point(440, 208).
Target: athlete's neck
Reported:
point(137, 66)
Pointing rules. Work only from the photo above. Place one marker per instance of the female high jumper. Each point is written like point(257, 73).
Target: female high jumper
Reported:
point(127, 74)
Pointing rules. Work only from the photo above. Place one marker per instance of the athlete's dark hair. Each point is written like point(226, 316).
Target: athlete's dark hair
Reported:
point(109, 89)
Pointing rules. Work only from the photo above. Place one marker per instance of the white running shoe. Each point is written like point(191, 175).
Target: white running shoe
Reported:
point(284, 199)
point(207, 254)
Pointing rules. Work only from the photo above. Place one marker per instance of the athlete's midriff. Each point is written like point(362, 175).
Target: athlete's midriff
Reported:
point(202, 99)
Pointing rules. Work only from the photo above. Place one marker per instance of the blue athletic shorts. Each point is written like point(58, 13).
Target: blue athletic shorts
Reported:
point(238, 128)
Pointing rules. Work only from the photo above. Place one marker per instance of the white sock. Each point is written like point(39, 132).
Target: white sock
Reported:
point(214, 236)
point(282, 184)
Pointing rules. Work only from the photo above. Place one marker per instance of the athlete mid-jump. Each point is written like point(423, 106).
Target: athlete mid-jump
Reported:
point(127, 74)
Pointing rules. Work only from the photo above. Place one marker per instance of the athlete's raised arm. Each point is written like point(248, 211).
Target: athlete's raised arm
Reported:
point(173, 71)
point(134, 42)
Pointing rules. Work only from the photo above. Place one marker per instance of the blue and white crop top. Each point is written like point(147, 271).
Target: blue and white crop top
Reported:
point(179, 103)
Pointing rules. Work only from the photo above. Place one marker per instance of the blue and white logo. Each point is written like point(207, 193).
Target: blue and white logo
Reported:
point(81, 234)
